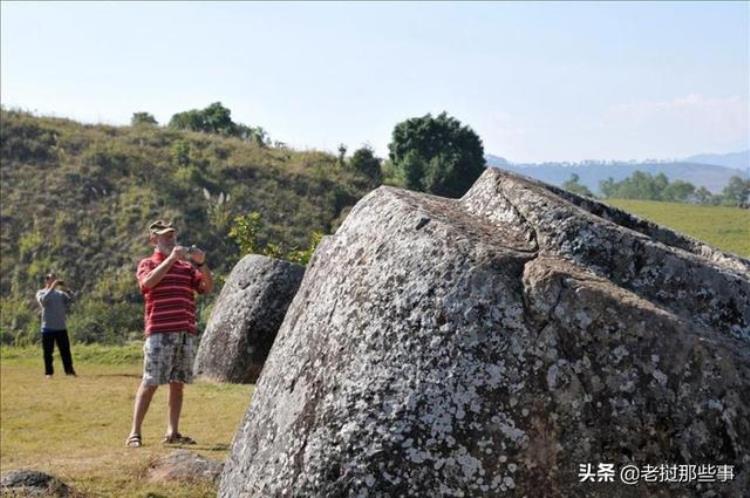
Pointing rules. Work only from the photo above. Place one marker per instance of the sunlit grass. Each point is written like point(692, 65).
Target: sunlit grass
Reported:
point(725, 228)
point(75, 428)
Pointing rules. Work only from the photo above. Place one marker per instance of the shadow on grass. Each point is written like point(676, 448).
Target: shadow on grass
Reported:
point(134, 376)
point(216, 447)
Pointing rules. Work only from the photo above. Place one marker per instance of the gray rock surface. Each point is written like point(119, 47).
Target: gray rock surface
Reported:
point(32, 483)
point(245, 319)
point(490, 346)
point(184, 466)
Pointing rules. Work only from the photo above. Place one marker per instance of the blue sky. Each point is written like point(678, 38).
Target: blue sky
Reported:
point(536, 81)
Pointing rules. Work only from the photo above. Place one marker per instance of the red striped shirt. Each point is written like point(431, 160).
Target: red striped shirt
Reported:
point(170, 304)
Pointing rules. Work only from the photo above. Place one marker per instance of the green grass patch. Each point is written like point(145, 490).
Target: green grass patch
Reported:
point(725, 228)
point(75, 428)
point(128, 354)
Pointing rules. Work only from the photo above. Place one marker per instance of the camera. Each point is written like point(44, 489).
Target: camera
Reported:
point(189, 250)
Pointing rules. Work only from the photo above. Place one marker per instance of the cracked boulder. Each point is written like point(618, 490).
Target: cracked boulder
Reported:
point(245, 319)
point(497, 344)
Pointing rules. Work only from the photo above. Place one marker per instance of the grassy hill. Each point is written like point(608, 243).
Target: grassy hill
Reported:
point(77, 199)
point(723, 227)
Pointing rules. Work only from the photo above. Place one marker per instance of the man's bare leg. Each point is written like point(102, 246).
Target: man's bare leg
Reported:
point(175, 407)
point(142, 401)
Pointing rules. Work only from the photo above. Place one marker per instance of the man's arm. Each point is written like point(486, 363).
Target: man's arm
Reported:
point(155, 276)
point(207, 280)
point(43, 295)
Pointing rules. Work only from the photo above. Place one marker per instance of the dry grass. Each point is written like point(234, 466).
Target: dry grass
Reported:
point(75, 428)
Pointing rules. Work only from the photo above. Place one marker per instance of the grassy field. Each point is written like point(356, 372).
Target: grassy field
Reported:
point(725, 228)
point(75, 428)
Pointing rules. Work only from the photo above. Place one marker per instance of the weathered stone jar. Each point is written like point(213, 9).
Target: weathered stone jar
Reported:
point(490, 346)
point(245, 319)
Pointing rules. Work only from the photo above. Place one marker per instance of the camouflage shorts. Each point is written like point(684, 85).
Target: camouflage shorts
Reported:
point(168, 357)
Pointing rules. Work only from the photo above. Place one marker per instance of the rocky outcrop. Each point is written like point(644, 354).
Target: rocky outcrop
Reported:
point(32, 483)
point(184, 466)
point(497, 345)
point(245, 319)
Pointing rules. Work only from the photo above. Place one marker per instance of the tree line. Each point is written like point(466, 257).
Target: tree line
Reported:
point(438, 155)
point(644, 186)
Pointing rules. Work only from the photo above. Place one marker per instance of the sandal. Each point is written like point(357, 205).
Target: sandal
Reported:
point(133, 441)
point(177, 438)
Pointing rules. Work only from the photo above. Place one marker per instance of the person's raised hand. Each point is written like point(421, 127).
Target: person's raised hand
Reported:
point(198, 256)
point(179, 252)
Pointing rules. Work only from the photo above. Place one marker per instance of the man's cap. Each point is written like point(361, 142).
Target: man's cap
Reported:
point(160, 227)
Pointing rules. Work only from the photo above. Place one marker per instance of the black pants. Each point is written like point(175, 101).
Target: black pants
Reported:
point(63, 344)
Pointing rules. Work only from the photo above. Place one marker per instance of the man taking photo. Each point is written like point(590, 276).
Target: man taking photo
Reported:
point(168, 281)
point(54, 300)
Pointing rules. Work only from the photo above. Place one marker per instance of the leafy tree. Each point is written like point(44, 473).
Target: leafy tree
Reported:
point(411, 170)
point(737, 192)
point(608, 187)
point(188, 120)
point(364, 161)
point(573, 185)
point(218, 119)
point(255, 135)
point(436, 154)
point(703, 196)
point(143, 119)
point(215, 119)
point(678, 191)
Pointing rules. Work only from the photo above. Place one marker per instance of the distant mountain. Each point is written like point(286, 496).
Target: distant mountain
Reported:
point(713, 177)
point(737, 160)
point(496, 161)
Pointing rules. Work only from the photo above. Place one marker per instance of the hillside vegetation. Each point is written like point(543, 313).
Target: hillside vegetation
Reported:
point(77, 199)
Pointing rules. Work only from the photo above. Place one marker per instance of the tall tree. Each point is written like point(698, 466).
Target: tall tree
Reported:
point(364, 161)
point(213, 119)
point(678, 191)
point(737, 192)
point(574, 185)
point(143, 118)
point(438, 155)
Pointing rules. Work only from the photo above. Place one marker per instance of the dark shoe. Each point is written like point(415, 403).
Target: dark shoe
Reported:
point(177, 438)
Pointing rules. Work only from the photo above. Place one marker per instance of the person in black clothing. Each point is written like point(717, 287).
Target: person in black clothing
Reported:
point(54, 299)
